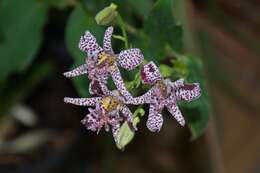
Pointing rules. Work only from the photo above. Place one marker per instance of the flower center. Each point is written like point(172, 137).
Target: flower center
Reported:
point(162, 87)
point(110, 103)
point(105, 59)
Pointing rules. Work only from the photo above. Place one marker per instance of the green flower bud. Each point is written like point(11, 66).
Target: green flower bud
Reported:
point(107, 15)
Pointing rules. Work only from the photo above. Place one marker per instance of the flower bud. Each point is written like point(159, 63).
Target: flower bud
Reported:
point(107, 15)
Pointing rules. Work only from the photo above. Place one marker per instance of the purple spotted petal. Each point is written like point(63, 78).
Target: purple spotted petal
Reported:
point(89, 44)
point(95, 88)
point(188, 92)
point(150, 73)
point(128, 115)
point(117, 78)
point(107, 40)
point(130, 58)
point(175, 111)
point(82, 69)
point(98, 118)
point(143, 99)
point(82, 101)
point(177, 84)
point(91, 121)
point(115, 130)
point(99, 88)
point(155, 119)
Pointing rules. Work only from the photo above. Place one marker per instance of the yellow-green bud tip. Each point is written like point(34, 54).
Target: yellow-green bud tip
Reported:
point(107, 15)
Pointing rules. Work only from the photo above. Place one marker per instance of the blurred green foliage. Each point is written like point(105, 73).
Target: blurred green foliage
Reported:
point(21, 34)
point(161, 29)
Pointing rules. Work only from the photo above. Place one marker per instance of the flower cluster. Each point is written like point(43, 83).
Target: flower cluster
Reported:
point(111, 106)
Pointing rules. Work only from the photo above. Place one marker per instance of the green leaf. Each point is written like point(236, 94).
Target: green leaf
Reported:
point(20, 34)
point(135, 83)
point(61, 4)
point(125, 134)
point(80, 21)
point(166, 70)
point(161, 29)
point(197, 112)
point(142, 7)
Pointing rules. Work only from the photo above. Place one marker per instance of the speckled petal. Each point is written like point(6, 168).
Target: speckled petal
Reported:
point(155, 119)
point(130, 58)
point(95, 88)
point(91, 121)
point(177, 84)
point(117, 78)
point(107, 46)
point(99, 88)
point(188, 92)
point(82, 69)
point(128, 115)
point(175, 111)
point(82, 101)
point(89, 44)
point(143, 99)
point(150, 73)
point(115, 130)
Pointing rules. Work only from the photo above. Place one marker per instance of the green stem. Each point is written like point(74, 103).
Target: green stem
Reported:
point(122, 26)
point(131, 29)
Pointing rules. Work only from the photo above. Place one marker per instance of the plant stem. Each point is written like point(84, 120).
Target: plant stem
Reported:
point(122, 26)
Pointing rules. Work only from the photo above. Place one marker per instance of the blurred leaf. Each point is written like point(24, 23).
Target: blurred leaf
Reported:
point(107, 15)
point(142, 7)
point(166, 70)
point(13, 91)
point(27, 142)
point(21, 34)
point(61, 4)
point(125, 134)
point(162, 29)
point(24, 115)
point(197, 112)
point(80, 21)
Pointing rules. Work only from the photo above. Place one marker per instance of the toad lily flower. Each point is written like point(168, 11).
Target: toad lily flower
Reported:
point(103, 62)
point(106, 113)
point(164, 93)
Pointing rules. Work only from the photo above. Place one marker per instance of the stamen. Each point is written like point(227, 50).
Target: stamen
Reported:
point(110, 103)
point(105, 58)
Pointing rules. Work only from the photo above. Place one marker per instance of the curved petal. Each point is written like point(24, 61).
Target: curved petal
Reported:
point(88, 44)
point(115, 130)
point(82, 101)
point(99, 88)
point(129, 116)
point(130, 58)
point(150, 73)
point(95, 88)
point(143, 99)
point(175, 111)
point(117, 78)
point(91, 121)
point(155, 119)
point(107, 46)
point(189, 92)
point(82, 69)
point(176, 84)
